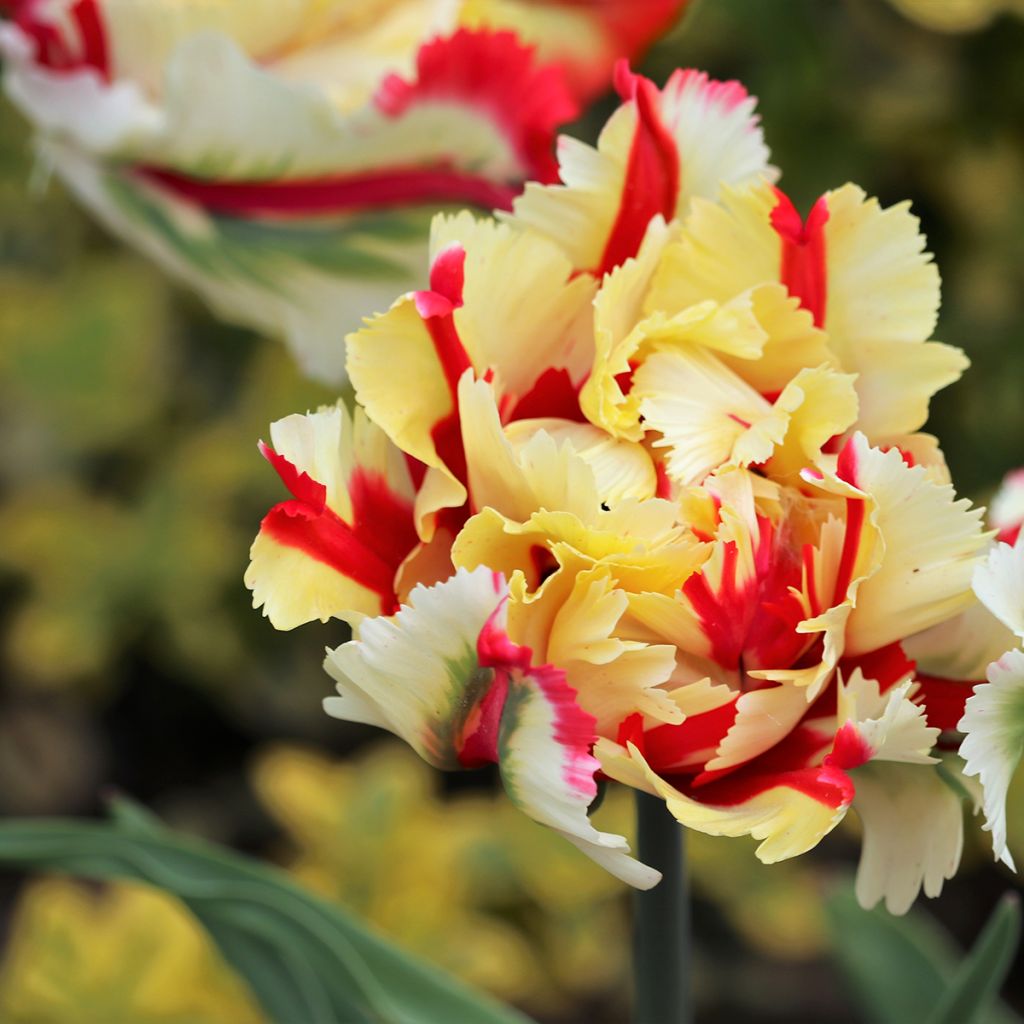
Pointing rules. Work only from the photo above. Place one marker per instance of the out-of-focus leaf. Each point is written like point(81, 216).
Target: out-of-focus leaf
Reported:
point(897, 967)
point(304, 959)
point(350, 826)
point(976, 984)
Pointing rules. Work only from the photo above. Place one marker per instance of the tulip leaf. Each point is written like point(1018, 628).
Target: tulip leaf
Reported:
point(899, 968)
point(303, 958)
point(979, 978)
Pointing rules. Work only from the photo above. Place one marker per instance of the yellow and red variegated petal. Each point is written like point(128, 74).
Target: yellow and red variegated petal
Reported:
point(444, 675)
point(783, 799)
point(522, 312)
point(860, 272)
point(334, 549)
point(585, 39)
point(747, 599)
point(912, 543)
point(863, 272)
point(792, 342)
point(912, 822)
point(573, 621)
point(624, 336)
point(763, 719)
point(993, 724)
point(919, 449)
point(658, 151)
point(999, 584)
point(1007, 511)
point(419, 334)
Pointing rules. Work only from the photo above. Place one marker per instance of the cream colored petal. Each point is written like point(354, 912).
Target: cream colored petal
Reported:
point(913, 833)
point(882, 285)
point(999, 584)
point(993, 724)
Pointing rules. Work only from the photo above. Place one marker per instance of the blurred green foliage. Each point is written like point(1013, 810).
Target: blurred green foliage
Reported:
point(130, 489)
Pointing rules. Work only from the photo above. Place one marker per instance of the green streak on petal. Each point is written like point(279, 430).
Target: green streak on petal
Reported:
point(467, 685)
point(367, 247)
point(518, 695)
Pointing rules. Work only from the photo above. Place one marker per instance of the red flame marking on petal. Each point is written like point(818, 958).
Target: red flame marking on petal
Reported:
point(803, 263)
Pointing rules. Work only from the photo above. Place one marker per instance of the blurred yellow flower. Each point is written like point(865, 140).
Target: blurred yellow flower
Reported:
point(83, 955)
point(467, 882)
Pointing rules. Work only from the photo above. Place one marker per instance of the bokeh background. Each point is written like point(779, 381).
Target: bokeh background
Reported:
point(131, 660)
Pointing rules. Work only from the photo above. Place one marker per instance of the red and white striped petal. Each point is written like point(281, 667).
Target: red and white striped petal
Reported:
point(467, 115)
point(418, 673)
point(444, 675)
point(993, 724)
point(657, 152)
point(548, 771)
point(334, 549)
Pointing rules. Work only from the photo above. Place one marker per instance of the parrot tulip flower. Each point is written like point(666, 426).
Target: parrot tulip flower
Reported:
point(284, 160)
point(650, 502)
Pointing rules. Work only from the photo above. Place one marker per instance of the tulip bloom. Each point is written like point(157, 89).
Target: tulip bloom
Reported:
point(636, 490)
point(284, 160)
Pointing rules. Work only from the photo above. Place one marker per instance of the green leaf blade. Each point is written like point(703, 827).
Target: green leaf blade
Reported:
point(304, 959)
point(969, 996)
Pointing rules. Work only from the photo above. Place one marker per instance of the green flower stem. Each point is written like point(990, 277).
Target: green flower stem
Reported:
point(661, 921)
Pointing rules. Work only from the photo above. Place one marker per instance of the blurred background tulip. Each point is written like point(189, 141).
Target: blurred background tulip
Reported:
point(284, 159)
